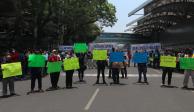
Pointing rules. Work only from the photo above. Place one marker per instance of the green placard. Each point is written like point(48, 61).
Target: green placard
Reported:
point(36, 60)
point(99, 54)
point(11, 69)
point(80, 48)
point(54, 67)
point(187, 63)
point(168, 61)
point(71, 64)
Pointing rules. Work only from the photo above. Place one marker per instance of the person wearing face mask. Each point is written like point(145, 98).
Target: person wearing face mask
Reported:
point(54, 77)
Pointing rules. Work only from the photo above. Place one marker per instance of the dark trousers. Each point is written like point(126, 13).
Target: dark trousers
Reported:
point(169, 72)
point(124, 72)
point(69, 78)
point(110, 73)
point(156, 63)
point(142, 69)
point(8, 81)
point(115, 75)
point(36, 74)
point(100, 70)
point(54, 77)
point(81, 75)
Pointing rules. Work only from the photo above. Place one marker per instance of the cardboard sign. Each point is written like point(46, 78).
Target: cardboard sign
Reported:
point(140, 58)
point(80, 48)
point(117, 57)
point(187, 63)
point(99, 54)
point(168, 61)
point(54, 67)
point(11, 69)
point(71, 64)
point(36, 60)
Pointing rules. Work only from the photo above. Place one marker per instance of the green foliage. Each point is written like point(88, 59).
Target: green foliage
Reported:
point(46, 22)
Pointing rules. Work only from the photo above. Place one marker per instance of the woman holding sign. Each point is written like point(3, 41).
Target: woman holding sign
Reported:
point(54, 76)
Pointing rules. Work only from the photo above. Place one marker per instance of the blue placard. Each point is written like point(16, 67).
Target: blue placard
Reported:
point(140, 58)
point(116, 57)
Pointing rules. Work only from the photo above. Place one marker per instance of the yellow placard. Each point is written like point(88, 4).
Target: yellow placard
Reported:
point(11, 69)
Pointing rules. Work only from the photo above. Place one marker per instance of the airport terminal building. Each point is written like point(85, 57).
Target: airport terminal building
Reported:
point(170, 22)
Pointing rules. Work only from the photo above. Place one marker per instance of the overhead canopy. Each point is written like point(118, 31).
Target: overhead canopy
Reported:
point(163, 14)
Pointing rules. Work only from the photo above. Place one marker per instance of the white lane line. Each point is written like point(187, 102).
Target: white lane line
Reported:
point(87, 107)
point(158, 71)
point(132, 75)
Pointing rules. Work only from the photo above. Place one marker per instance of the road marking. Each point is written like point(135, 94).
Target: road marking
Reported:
point(87, 107)
point(129, 75)
point(158, 71)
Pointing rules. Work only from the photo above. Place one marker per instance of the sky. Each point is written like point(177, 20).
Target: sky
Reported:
point(123, 7)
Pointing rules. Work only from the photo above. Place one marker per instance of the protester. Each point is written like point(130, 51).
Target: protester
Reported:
point(124, 69)
point(54, 77)
point(82, 67)
point(36, 74)
point(167, 70)
point(129, 58)
point(156, 61)
point(142, 69)
point(10, 80)
point(69, 73)
point(101, 64)
point(188, 72)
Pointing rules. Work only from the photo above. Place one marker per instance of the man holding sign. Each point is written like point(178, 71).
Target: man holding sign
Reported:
point(100, 56)
point(9, 71)
point(141, 58)
point(36, 62)
point(168, 62)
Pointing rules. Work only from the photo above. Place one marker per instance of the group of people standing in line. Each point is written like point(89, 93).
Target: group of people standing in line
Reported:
point(115, 68)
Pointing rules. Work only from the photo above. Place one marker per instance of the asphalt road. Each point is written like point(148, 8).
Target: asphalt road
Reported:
point(100, 98)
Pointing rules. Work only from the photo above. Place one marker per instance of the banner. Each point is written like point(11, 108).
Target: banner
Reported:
point(36, 60)
point(168, 61)
point(99, 54)
point(142, 47)
point(71, 64)
point(102, 46)
point(11, 69)
point(54, 67)
point(116, 57)
point(80, 48)
point(140, 58)
point(65, 48)
point(187, 63)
